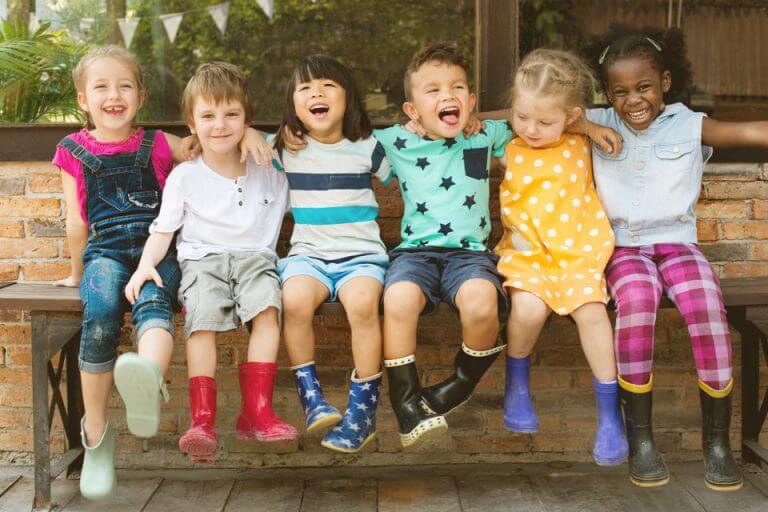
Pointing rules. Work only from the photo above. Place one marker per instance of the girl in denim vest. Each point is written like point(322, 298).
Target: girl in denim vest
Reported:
point(649, 190)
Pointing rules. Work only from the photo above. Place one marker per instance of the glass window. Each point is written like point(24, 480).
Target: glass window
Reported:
point(375, 39)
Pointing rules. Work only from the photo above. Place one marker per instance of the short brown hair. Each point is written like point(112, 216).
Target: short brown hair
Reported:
point(217, 81)
point(443, 52)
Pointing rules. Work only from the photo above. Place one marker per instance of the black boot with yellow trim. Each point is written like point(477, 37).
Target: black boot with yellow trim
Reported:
point(720, 469)
point(646, 467)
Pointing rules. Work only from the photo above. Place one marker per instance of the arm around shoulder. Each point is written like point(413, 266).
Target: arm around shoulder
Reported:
point(724, 134)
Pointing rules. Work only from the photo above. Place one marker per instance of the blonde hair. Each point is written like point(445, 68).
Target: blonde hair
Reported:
point(556, 73)
point(217, 81)
point(113, 52)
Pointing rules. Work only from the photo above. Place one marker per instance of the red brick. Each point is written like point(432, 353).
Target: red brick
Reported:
point(45, 184)
point(737, 190)
point(12, 229)
point(16, 376)
point(28, 248)
point(760, 209)
point(18, 355)
point(758, 251)
point(23, 207)
point(544, 442)
point(46, 228)
point(707, 230)
point(744, 229)
point(16, 441)
point(722, 210)
point(16, 396)
point(731, 172)
point(492, 443)
point(15, 334)
point(9, 271)
point(13, 186)
point(745, 269)
point(45, 271)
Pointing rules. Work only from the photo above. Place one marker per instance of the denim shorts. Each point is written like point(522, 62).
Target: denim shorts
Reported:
point(333, 274)
point(221, 291)
point(110, 259)
point(440, 272)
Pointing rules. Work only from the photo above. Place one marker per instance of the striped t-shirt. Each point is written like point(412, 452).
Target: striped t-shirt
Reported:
point(331, 196)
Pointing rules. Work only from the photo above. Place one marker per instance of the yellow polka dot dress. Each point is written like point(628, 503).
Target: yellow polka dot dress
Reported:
point(557, 239)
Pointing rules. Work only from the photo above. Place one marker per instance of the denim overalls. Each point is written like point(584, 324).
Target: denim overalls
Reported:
point(122, 199)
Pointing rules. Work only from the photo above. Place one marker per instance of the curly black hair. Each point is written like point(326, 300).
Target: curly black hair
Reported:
point(622, 41)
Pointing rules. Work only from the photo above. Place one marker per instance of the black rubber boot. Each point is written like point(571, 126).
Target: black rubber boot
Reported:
point(469, 367)
point(646, 468)
point(720, 469)
point(405, 396)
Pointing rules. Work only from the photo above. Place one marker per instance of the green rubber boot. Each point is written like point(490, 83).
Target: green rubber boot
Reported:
point(142, 387)
point(97, 478)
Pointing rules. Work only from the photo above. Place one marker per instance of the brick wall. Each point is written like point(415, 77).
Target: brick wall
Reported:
point(733, 230)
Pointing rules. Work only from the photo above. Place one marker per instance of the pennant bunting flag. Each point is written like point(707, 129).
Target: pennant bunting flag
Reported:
point(219, 14)
point(171, 23)
point(268, 6)
point(128, 29)
point(34, 23)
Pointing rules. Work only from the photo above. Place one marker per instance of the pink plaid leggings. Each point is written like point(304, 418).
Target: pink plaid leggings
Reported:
point(636, 277)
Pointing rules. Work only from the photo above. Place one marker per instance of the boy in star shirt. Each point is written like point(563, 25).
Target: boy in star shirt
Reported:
point(444, 182)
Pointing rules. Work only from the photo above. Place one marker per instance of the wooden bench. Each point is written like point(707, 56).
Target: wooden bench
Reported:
point(746, 301)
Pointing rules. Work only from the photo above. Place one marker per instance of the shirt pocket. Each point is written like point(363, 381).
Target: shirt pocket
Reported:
point(675, 157)
point(476, 163)
point(146, 199)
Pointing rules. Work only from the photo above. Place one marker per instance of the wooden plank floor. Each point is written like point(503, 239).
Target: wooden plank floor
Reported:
point(456, 488)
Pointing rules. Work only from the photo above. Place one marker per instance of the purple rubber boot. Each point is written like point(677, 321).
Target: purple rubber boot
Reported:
point(519, 414)
point(611, 446)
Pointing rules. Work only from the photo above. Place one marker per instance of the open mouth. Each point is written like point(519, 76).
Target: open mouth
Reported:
point(639, 116)
point(319, 110)
point(114, 110)
point(449, 115)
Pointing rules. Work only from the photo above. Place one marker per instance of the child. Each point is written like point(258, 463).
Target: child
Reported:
point(112, 178)
point(650, 191)
point(556, 241)
point(228, 214)
point(443, 256)
point(336, 250)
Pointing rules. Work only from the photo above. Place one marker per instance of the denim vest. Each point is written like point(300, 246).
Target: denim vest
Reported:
point(121, 189)
point(649, 190)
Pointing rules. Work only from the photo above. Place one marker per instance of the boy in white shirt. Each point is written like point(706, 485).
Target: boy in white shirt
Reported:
point(228, 215)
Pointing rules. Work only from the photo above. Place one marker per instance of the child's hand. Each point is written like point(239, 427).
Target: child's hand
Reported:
point(68, 282)
point(293, 141)
point(260, 150)
point(141, 276)
point(474, 125)
point(606, 139)
point(414, 126)
point(189, 147)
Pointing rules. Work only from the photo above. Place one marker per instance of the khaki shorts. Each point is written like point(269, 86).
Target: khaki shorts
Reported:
point(221, 291)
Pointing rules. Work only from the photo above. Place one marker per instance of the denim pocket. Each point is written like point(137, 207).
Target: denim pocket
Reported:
point(117, 185)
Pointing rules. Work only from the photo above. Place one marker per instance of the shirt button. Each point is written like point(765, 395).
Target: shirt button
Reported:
point(240, 203)
point(684, 218)
point(635, 238)
point(640, 165)
point(676, 149)
point(239, 190)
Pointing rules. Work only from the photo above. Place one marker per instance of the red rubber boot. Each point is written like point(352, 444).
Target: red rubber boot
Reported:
point(257, 419)
point(200, 440)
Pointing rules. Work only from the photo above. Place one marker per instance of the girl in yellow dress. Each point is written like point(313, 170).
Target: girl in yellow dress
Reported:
point(557, 239)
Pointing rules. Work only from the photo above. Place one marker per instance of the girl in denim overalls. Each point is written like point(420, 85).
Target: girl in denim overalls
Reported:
point(112, 179)
point(649, 190)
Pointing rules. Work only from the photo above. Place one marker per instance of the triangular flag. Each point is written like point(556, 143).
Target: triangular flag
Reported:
point(171, 23)
point(219, 14)
point(128, 29)
point(268, 6)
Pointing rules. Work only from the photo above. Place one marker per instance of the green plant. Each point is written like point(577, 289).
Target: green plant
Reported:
point(36, 74)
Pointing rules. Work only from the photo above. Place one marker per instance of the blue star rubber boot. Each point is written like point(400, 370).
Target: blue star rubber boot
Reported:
point(358, 428)
point(611, 446)
point(318, 413)
point(97, 478)
point(519, 414)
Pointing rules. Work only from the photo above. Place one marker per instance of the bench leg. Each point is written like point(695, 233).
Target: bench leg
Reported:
point(42, 499)
point(74, 403)
point(753, 338)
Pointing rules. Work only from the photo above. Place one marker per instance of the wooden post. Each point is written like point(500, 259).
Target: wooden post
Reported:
point(497, 50)
point(42, 436)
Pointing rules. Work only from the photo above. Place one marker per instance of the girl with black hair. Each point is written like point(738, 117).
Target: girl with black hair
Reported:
point(336, 249)
point(649, 190)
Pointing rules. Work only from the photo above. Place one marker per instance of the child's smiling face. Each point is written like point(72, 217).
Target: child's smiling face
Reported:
point(320, 105)
point(636, 90)
point(110, 96)
point(441, 100)
point(540, 120)
point(219, 126)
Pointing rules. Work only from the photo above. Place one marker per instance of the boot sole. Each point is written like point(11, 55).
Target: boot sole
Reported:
point(425, 406)
point(649, 484)
point(198, 448)
point(140, 391)
point(518, 430)
point(424, 430)
point(325, 422)
point(266, 439)
point(610, 463)
point(724, 487)
point(348, 450)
